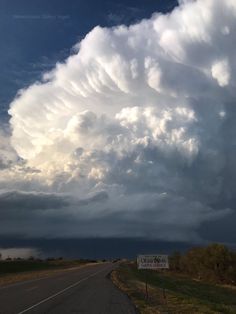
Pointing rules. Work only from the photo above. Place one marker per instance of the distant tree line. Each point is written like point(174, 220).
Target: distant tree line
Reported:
point(214, 263)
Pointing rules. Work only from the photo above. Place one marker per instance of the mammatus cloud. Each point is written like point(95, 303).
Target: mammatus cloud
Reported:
point(142, 114)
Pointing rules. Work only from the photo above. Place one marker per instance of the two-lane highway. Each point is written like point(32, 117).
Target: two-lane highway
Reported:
point(86, 290)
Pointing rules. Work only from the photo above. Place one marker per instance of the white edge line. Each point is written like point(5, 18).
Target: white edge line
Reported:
point(60, 292)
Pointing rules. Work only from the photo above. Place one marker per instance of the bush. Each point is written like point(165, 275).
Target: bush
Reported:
point(212, 263)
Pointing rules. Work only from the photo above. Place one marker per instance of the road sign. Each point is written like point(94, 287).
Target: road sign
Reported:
point(152, 261)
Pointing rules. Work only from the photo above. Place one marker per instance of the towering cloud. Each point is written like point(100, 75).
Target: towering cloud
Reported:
point(144, 114)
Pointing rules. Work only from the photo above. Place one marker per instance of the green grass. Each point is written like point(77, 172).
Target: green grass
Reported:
point(208, 298)
point(190, 288)
point(13, 267)
point(10, 267)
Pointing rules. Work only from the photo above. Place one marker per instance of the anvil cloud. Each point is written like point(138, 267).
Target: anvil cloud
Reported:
point(139, 121)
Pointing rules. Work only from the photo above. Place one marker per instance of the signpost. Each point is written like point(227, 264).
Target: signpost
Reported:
point(152, 262)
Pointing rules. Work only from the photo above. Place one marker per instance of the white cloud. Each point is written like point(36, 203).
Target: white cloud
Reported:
point(141, 110)
point(220, 72)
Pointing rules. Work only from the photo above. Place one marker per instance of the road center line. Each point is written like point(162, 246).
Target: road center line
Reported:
point(60, 292)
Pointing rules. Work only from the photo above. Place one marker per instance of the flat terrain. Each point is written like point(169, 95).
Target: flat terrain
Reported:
point(18, 266)
point(180, 295)
point(21, 270)
point(76, 290)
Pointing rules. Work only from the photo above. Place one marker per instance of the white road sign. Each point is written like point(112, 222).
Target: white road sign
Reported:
point(152, 261)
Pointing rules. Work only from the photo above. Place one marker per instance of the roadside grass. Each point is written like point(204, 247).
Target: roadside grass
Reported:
point(7, 267)
point(183, 295)
point(20, 270)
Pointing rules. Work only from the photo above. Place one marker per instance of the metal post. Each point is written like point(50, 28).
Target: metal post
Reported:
point(146, 286)
point(164, 293)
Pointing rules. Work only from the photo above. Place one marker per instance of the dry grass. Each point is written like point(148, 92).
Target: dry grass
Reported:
point(12, 278)
point(189, 300)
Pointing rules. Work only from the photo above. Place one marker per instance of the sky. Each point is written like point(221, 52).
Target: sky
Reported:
point(117, 123)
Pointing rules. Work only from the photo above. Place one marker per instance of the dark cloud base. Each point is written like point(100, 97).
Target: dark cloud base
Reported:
point(96, 248)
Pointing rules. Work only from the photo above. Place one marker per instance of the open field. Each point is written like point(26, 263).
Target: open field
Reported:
point(7, 267)
point(181, 294)
point(14, 271)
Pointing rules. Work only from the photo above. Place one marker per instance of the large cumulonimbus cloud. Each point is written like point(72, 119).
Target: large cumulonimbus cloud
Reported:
point(145, 114)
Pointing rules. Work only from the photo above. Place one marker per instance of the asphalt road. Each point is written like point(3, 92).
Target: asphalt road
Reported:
point(87, 290)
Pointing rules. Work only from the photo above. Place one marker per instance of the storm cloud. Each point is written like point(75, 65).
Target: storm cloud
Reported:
point(138, 125)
